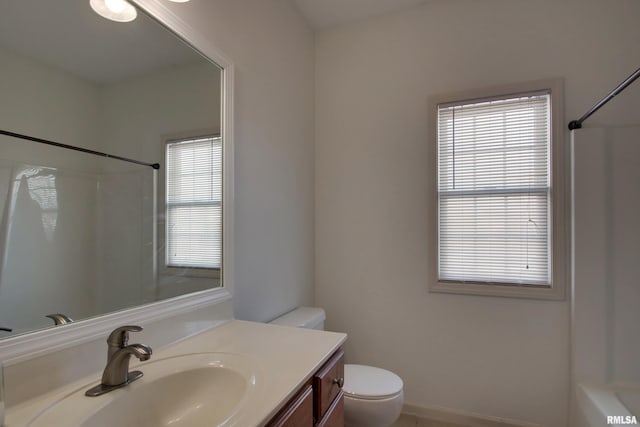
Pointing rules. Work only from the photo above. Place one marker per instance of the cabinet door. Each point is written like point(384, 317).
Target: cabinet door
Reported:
point(298, 412)
point(334, 417)
point(328, 383)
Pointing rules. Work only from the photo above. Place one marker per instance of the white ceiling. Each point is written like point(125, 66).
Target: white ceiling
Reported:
point(67, 34)
point(326, 13)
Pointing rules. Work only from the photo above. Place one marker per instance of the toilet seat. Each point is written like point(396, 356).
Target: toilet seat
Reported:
point(370, 383)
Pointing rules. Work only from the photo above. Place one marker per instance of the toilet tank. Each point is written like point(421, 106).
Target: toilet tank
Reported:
point(303, 317)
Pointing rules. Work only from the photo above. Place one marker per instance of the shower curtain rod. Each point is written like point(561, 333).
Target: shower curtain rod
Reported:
point(71, 147)
point(577, 124)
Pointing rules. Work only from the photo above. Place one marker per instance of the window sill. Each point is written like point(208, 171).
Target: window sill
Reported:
point(508, 291)
point(207, 273)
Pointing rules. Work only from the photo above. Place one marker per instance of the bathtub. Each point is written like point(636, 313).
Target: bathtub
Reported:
point(608, 405)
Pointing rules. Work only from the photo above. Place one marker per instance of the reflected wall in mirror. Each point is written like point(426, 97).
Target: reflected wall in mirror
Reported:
point(83, 235)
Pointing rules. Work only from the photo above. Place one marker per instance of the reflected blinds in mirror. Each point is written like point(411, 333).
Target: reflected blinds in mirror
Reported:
point(194, 203)
point(494, 190)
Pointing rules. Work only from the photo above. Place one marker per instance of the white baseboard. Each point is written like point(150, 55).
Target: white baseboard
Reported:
point(461, 418)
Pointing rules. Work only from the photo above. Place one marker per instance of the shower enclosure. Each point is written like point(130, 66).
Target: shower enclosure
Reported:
point(77, 234)
point(606, 272)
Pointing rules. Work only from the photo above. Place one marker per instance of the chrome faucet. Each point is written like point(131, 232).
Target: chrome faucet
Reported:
point(60, 319)
point(116, 374)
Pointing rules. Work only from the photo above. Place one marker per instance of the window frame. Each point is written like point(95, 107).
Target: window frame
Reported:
point(558, 248)
point(164, 269)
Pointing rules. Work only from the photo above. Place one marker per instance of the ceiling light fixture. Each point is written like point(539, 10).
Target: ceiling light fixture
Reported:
point(115, 10)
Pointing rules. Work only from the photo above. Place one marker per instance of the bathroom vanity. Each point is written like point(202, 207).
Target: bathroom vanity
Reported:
point(320, 402)
point(238, 373)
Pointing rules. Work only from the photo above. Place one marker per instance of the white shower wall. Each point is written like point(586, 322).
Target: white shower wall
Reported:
point(47, 235)
point(606, 233)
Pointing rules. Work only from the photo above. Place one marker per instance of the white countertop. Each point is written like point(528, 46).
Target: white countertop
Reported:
point(285, 358)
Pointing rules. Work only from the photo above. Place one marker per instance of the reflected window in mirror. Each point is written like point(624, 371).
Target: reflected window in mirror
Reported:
point(194, 206)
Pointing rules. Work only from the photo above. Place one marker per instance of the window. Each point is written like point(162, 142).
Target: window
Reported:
point(193, 230)
point(499, 214)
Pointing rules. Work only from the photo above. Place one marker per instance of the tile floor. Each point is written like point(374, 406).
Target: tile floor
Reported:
point(412, 421)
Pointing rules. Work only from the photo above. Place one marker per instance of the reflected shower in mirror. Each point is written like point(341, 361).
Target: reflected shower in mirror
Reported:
point(82, 235)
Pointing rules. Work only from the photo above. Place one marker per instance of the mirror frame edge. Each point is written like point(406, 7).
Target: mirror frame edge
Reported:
point(29, 345)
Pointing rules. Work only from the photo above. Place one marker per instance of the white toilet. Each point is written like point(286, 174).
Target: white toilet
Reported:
point(372, 396)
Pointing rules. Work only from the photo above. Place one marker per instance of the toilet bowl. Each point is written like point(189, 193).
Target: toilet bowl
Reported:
point(373, 396)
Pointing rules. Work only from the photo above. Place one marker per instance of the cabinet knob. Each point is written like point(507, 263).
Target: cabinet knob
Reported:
point(339, 381)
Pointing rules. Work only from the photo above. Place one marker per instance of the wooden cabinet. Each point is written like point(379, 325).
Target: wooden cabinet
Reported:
point(334, 417)
point(320, 403)
point(327, 388)
point(298, 412)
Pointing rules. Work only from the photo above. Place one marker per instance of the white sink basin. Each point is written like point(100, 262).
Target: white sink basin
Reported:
point(202, 389)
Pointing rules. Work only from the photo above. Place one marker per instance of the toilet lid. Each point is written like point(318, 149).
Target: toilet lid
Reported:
point(370, 383)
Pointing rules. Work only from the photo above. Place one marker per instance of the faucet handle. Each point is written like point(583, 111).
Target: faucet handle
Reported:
point(120, 336)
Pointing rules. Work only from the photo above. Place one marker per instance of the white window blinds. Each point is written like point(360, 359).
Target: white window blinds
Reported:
point(494, 190)
point(194, 203)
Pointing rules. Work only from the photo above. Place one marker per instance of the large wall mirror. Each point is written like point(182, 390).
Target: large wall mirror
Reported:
point(83, 235)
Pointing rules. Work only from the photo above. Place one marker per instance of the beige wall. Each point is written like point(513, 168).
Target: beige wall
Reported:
point(272, 49)
point(46, 102)
point(491, 356)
